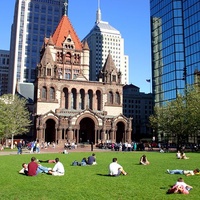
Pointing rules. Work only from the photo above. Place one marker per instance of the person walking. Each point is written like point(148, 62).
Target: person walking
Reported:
point(19, 147)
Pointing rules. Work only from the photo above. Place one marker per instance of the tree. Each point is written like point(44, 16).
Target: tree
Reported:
point(180, 116)
point(15, 117)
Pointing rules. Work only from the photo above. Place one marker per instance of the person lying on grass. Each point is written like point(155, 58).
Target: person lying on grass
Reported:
point(184, 172)
point(180, 187)
point(40, 169)
point(116, 169)
point(46, 161)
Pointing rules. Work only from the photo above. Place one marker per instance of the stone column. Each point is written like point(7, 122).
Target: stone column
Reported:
point(77, 136)
point(70, 131)
point(59, 136)
point(103, 130)
point(112, 138)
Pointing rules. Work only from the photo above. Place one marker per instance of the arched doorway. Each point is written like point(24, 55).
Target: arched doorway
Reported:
point(87, 132)
point(50, 133)
point(120, 133)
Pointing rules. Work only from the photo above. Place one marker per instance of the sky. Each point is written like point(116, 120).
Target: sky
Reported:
point(130, 17)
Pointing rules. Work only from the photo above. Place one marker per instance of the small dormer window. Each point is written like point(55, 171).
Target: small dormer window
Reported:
point(48, 72)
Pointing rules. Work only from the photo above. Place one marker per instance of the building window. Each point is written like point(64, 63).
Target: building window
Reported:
point(90, 99)
point(48, 72)
point(66, 99)
point(52, 93)
point(44, 93)
point(117, 98)
point(110, 97)
point(114, 78)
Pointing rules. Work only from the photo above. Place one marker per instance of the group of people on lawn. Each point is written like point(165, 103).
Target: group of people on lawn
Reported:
point(115, 169)
point(33, 168)
point(180, 186)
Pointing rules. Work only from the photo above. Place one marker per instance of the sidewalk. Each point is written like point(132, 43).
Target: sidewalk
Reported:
point(57, 149)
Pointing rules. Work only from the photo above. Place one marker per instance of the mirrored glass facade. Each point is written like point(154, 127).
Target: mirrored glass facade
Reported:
point(175, 40)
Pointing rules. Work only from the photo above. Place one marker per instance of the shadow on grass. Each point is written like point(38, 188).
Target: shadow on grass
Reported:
point(105, 175)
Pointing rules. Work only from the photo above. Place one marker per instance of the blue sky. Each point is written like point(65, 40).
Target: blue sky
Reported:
point(130, 17)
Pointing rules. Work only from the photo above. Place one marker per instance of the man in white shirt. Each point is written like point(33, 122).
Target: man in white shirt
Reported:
point(116, 169)
point(58, 169)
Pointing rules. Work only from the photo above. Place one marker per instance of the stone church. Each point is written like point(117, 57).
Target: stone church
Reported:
point(68, 106)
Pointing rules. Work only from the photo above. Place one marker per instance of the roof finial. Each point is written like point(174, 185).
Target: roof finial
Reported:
point(66, 7)
point(98, 4)
point(98, 15)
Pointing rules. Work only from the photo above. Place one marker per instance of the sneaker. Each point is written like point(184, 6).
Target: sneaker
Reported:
point(168, 171)
point(49, 169)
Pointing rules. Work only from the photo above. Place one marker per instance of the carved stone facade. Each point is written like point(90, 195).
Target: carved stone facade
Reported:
point(68, 105)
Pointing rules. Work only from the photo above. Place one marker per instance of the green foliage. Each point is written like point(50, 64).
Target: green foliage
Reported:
point(92, 183)
point(180, 116)
point(15, 118)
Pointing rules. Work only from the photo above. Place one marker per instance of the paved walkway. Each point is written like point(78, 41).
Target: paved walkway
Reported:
point(57, 149)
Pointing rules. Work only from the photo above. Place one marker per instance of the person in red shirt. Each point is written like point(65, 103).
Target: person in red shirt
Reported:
point(32, 167)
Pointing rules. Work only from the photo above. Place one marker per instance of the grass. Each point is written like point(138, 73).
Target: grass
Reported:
point(92, 183)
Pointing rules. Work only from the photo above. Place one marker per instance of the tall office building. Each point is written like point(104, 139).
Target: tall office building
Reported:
point(139, 106)
point(102, 39)
point(175, 39)
point(4, 67)
point(33, 20)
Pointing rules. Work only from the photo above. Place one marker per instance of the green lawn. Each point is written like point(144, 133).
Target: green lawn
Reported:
point(91, 182)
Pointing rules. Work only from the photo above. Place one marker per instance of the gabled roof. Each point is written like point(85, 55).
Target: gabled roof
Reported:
point(85, 45)
point(47, 57)
point(109, 65)
point(62, 31)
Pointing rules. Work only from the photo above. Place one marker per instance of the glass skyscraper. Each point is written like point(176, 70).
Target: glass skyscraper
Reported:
point(175, 39)
point(33, 20)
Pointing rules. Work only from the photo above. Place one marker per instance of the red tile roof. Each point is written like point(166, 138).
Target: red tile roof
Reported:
point(63, 29)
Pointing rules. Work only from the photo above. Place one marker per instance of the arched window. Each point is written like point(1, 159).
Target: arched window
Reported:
point(73, 99)
point(68, 57)
point(117, 98)
point(66, 99)
point(110, 97)
point(98, 93)
point(44, 93)
point(82, 100)
point(52, 93)
point(90, 99)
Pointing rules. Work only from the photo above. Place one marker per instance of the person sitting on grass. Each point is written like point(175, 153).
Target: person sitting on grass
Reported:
point(58, 169)
point(116, 169)
point(178, 155)
point(184, 172)
point(183, 155)
point(180, 187)
point(92, 160)
point(144, 160)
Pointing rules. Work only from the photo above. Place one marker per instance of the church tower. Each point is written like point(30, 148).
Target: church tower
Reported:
point(68, 105)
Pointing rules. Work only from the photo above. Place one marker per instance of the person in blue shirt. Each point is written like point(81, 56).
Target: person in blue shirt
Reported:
point(92, 160)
